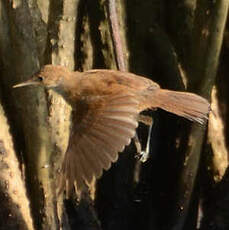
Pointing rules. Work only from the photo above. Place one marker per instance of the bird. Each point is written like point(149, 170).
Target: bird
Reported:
point(105, 113)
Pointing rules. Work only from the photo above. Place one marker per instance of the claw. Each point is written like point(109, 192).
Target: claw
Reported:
point(143, 156)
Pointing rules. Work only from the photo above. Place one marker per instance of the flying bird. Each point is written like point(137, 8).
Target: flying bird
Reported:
point(105, 114)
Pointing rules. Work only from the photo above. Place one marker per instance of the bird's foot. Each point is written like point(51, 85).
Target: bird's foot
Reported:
point(142, 156)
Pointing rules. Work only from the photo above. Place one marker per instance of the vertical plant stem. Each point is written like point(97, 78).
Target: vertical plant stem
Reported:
point(115, 32)
point(207, 74)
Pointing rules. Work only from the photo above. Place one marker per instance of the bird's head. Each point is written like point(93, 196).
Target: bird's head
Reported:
point(49, 76)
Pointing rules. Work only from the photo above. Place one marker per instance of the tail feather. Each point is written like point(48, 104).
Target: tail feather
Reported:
point(188, 105)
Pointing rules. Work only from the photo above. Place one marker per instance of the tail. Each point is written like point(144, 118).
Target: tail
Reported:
point(188, 105)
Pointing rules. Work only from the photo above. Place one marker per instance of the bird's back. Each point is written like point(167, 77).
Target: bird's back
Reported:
point(100, 81)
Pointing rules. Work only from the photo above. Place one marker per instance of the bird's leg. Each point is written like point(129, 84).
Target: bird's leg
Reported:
point(144, 154)
point(137, 144)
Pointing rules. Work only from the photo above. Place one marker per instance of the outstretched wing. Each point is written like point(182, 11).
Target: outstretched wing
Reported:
point(102, 127)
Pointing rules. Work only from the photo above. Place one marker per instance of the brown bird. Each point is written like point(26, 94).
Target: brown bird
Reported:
point(106, 105)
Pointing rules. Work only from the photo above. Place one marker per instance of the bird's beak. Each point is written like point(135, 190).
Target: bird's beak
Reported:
point(28, 82)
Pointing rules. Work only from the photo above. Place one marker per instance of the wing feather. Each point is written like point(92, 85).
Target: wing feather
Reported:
point(102, 127)
point(94, 167)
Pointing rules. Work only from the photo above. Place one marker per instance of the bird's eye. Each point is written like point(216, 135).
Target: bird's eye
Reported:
point(40, 78)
